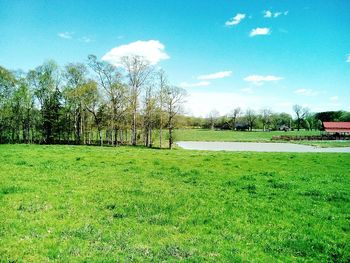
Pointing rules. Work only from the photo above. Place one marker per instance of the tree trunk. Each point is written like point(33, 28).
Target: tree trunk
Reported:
point(100, 135)
point(150, 137)
point(134, 132)
point(160, 136)
point(170, 138)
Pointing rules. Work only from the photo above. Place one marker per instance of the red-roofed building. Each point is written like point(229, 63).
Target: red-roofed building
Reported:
point(337, 127)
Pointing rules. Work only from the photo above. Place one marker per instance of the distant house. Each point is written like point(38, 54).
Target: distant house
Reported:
point(337, 127)
point(284, 128)
point(241, 127)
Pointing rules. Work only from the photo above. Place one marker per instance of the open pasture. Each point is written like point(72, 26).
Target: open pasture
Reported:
point(75, 203)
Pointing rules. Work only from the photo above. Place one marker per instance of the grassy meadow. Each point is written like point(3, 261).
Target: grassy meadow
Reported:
point(233, 136)
point(101, 204)
point(245, 136)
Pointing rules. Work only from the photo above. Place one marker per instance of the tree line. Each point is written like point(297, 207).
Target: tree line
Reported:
point(89, 103)
point(265, 119)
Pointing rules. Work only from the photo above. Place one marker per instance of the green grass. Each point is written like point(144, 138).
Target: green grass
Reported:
point(255, 136)
point(93, 204)
point(326, 144)
point(233, 136)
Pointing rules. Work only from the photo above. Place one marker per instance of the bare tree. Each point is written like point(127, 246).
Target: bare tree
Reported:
point(163, 84)
point(266, 118)
point(300, 113)
point(148, 115)
point(138, 73)
point(251, 118)
point(174, 100)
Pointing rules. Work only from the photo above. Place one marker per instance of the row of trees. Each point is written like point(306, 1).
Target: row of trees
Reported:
point(91, 103)
point(266, 119)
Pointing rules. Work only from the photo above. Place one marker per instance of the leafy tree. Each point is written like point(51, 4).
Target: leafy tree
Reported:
point(45, 81)
point(75, 75)
point(110, 79)
point(266, 118)
point(138, 73)
point(234, 116)
point(328, 115)
point(173, 101)
point(251, 118)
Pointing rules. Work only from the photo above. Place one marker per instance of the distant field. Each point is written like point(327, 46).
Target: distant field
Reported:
point(96, 204)
point(254, 136)
point(228, 136)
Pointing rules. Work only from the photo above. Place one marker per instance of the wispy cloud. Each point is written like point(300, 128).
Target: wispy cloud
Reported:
point(270, 14)
point(151, 50)
point(86, 39)
point(334, 98)
point(259, 31)
point(217, 75)
point(348, 58)
point(260, 80)
point(193, 85)
point(65, 35)
point(267, 14)
point(235, 20)
point(306, 92)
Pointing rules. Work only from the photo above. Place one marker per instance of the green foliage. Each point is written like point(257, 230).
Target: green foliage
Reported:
point(99, 204)
point(328, 116)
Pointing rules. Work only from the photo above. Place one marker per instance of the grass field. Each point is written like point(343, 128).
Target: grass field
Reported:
point(93, 204)
point(238, 136)
point(255, 136)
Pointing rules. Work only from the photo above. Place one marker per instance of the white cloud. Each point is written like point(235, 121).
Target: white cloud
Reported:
point(193, 85)
point(235, 20)
point(217, 75)
point(260, 80)
point(306, 92)
point(65, 35)
point(334, 98)
point(86, 39)
point(267, 14)
point(277, 14)
point(151, 50)
point(260, 31)
point(348, 58)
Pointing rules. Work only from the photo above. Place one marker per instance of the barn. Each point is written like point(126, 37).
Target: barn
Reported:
point(337, 127)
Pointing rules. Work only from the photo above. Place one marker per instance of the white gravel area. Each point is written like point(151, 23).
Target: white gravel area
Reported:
point(257, 147)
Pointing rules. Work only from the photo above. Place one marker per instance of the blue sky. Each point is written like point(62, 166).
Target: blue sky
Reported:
point(225, 53)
